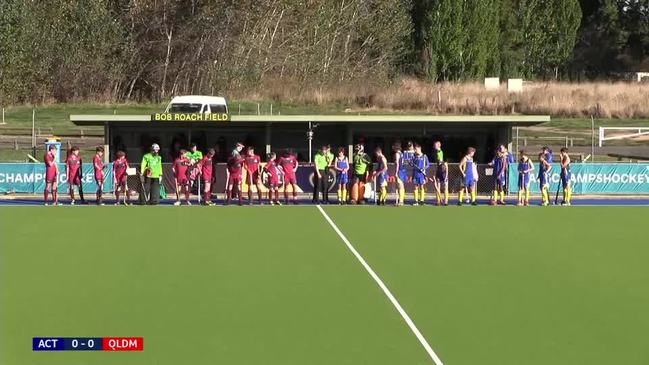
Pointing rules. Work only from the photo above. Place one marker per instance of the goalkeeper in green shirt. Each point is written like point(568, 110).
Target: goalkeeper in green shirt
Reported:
point(361, 168)
point(151, 176)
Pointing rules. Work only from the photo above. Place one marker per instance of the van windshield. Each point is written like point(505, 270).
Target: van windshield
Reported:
point(185, 108)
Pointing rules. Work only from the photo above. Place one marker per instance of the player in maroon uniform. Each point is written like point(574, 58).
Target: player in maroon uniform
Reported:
point(120, 165)
point(181, 175)
point(51, 175)
point(272, 170)
point(235, 168)
point(251, 164)
point(98, 164)
point(207, 175)
point(73, 171)
point(288, 163)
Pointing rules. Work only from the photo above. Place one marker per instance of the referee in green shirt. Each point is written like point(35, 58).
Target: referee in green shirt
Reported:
point(151, 175)
point(322, 160)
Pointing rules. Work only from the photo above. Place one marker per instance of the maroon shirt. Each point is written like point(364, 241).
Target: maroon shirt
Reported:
point(288, 164)
point(98, 163)
point(206, 168)
point(74, 163)
point(181, 165)
point(252, 162)
point(235, 164)
point(119, 167)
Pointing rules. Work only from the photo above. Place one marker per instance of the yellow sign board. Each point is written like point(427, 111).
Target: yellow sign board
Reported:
point(195, 117)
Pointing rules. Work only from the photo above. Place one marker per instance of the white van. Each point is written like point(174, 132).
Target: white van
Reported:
point(197, 104)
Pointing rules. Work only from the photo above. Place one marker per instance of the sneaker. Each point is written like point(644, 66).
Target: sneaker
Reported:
point(459, 204)
point(72, 202)
point(278, 202)
point(272, 202)
point(46, 204)
point(527, 203)
point(474, 203)
point(520, 204)
point(116, 203)
point(177, 203)
point(415, 204)
point(189, 203)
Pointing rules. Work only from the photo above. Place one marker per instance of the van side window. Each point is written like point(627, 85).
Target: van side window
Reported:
point(218, 108)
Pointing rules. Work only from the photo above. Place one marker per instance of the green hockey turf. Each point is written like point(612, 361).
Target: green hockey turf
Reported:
point(277, 285)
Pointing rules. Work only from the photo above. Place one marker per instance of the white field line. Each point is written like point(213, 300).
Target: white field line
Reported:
point(385, 289)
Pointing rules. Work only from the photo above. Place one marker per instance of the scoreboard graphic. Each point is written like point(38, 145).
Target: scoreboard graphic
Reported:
point(88, 343)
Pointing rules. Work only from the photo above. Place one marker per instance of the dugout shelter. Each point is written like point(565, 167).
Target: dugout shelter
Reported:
point(134, 134)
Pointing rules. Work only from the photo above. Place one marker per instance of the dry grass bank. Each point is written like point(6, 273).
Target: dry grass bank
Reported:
point(559, 99)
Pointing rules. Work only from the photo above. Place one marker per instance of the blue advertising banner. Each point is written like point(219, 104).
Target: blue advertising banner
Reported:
point(593, 178)
point(30, 178)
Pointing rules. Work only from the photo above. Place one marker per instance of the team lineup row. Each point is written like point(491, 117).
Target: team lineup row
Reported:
point(193, 169)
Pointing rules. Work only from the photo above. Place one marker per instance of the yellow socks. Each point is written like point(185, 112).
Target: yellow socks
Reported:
point(445, 197)
point(384, 194)
point(473, 193)
point(422, 194)
point(502, 196)
point(527, 195)
point(402, 195)
point(461, 197)
point(520, 196)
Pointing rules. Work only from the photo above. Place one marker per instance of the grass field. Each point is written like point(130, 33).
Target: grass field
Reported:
point(277, 285)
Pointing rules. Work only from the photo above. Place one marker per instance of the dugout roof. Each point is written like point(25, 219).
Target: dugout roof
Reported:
point(513, 120)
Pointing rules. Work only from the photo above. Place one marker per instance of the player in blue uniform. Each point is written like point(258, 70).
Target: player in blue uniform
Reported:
point(420, 164)
point(381, 176)
point(566, 175)
point(525, 168)
point(544, 178)
point(468, 178)
point(406, 168)
point(441, 182)
point(341, 165)
point(500, 167)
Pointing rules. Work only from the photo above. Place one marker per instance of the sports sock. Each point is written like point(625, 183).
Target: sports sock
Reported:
point(527, 194)
point(520, 195)
point(473, 194)
point(445, 196)
point(402, 195)
point(55, 195)
point(569, 191)
point(438, 196)
point(340, 195)
point(416, 193)
point(45, 195)
point(361, 191)
point(461, 196)
point(344, 194)
point(384, 194)
point(502, 196)
point(422, 193)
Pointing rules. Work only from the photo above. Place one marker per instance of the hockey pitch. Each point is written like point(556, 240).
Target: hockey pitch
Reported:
point(328, 285)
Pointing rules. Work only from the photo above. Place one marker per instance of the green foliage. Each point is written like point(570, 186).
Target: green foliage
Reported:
point(120, 50)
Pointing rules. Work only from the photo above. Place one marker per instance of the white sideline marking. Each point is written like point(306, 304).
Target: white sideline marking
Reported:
point(385, 289)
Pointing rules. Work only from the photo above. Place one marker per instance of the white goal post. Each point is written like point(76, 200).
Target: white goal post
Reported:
point(618, 133)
